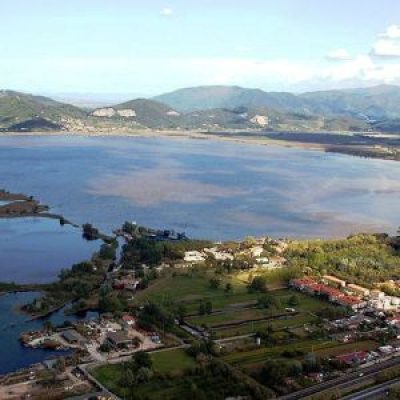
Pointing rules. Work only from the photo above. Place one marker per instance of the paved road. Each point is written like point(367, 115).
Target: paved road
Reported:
point(345, 381)
point(374, 392)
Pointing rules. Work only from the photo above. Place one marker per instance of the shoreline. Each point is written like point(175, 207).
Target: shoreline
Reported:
point(244, 137)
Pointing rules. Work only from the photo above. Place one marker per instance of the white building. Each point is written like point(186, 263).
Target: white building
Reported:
point(194, 257)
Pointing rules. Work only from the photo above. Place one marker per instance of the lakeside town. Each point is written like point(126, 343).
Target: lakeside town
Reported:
point(169, 307)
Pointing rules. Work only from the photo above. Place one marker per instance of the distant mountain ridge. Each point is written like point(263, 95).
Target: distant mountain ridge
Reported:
point(213, 108)
point(375, 103)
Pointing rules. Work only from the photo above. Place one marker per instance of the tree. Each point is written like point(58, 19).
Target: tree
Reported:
point(202, 309)
point(228, 288)
point(208, 307)
point(274, 372)
point(181, 312)
point(142, 359)
point(143, 375)
point(294, 301)
point(214, 283)
point(258, 284)
point(268, 301)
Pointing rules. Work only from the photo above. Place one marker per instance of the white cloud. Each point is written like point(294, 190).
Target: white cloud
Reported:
point(392, 32)
point(386, 48)
point(166, 12)
point(339, 55)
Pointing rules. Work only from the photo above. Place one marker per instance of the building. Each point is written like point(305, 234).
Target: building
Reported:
point(358, 290)
point(376, 294)
point(256, 251)
point(219, 255)
point(194, 257)
point(128, 321)
point(386, 303)
point(357, 357)
point(333, 281)
point(118, 339)
point(71, 336)
point(353, 302)
point(130, 284)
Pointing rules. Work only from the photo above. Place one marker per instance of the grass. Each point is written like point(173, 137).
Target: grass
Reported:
point(192, 287)
point(307, 307)
point(321, 348)
point(172, 361)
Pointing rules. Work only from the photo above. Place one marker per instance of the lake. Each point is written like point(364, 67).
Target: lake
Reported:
point(13, 355)
point(34, 250)
point(210, 189)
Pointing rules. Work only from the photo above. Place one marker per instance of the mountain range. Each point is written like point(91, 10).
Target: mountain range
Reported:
point(214, 108)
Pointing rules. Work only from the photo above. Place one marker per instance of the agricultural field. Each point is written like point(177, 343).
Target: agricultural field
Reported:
point(171, 362)
point(235, 321)
point(173, 377)
point(320, 348)
point(191, 287)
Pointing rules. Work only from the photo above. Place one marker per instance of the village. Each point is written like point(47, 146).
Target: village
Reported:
point(239, 296)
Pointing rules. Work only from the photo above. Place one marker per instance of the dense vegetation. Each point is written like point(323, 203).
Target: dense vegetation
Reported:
point(364, 258)
point(152, 252)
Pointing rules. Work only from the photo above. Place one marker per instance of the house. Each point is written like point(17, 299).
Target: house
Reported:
point(219, 255)
point(118, 339)
point(194, 257)
point(357, 357)
point(128, 321)
point(376, 294)
point(71, 336)
point(256, 251)
point(263, 261)
point(333, 281)
point(126, 284)
point(385, 303)
point(358, 290)
point(355, 303)
point(316, 377)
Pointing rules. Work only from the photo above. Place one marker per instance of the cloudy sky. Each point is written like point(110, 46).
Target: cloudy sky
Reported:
point(153, 46)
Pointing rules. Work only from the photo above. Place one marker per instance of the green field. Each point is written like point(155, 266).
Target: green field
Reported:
point(253, 327)
point(190, 289)
point(319, 347)
point(172, 361)
point(306, 308)
point(168, 382)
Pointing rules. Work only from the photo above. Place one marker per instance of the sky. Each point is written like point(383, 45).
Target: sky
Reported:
point(155, 46)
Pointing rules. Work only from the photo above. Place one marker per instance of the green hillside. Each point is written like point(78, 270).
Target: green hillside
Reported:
point(18, 107)
point(379, 102)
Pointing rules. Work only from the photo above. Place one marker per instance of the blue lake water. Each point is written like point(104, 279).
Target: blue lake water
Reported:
point(207, 188)
point(13, 355)
point(34, 250)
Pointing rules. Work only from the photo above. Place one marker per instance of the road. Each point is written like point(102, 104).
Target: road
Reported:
point(344, 381)
point(373, 393)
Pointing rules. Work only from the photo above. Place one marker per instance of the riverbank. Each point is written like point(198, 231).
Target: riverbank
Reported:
point(375, 148)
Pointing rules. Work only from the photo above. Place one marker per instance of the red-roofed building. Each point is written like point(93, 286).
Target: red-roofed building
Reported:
point(128, 320)
point(357, 357)
point(355, 303)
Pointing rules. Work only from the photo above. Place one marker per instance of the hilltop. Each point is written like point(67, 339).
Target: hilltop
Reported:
point(20, 108)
